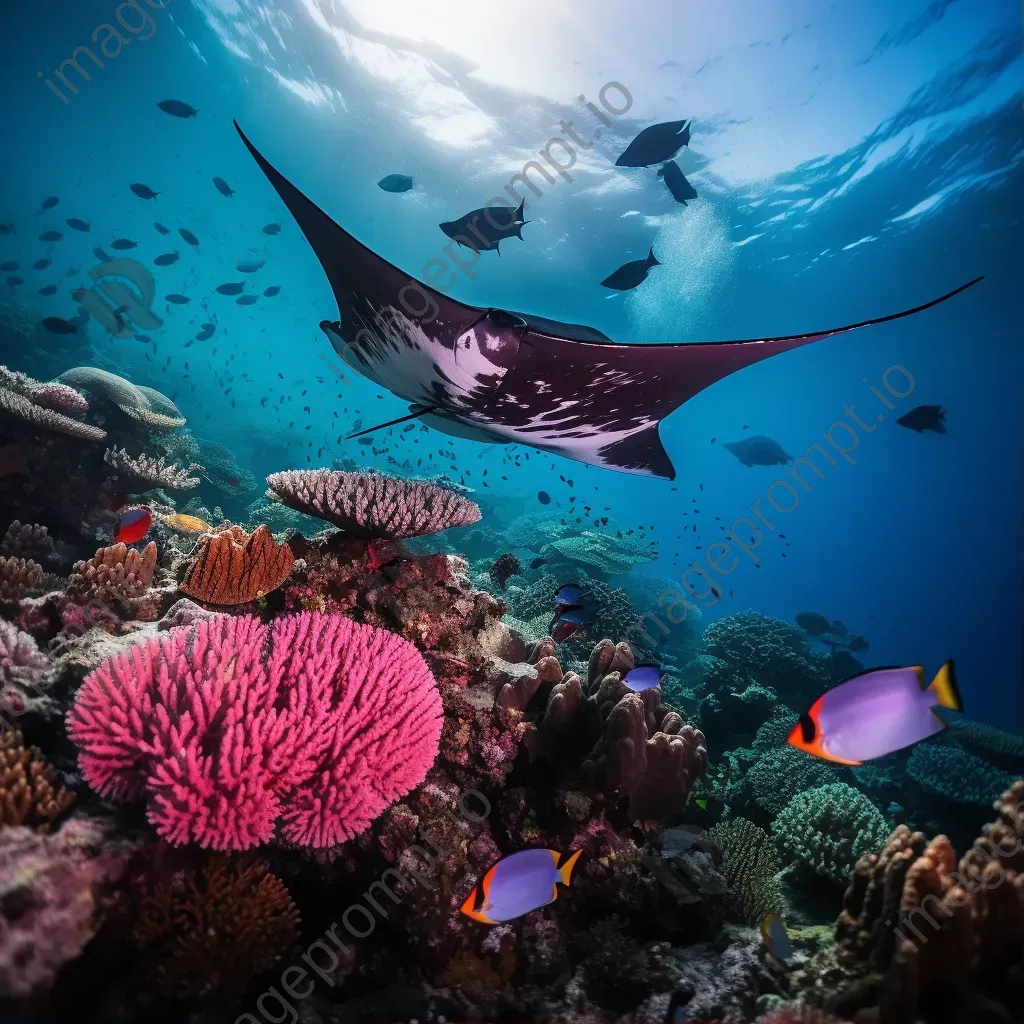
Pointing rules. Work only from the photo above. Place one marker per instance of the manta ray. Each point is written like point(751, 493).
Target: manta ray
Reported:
point(494, 375)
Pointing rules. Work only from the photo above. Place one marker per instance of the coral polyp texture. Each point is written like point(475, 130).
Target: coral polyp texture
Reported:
point(372, 504)
point(234, 568)
point(29, 794)
point(150, 472)
point(231, 727)
point(18, 576)
point(116, 569)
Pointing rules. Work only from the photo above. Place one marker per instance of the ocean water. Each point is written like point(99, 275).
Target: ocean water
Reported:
point(851, 160)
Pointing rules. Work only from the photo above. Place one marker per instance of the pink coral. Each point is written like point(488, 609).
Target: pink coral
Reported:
point(229, 725)
point(58, 397)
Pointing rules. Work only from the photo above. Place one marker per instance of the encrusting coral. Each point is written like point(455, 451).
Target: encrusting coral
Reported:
point(149, 471)
point(229, 726)
point(210, 930)
point(50, 904)
point(233, 568)
point(372, 504)
point(29, 794)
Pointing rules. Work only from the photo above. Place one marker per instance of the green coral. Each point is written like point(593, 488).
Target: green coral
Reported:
point(956, 775)
point(780, 774)
point(603, 554)
point(1005, 748)
point(829, 828)
point(534, 529)
point(750, 863)
point(775, 732)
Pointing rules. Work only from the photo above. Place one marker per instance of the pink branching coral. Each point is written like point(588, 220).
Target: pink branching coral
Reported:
point(371, 504)
point(230, 725)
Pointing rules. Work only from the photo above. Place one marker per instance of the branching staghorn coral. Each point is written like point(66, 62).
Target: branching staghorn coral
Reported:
point(313, 721)
point(210, 930)
point(371, 504)
point(28, 793)
point(151, 472)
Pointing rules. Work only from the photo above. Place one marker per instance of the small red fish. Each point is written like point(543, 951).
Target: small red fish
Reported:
point(133, 525)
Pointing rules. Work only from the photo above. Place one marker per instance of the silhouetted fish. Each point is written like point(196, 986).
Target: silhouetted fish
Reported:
point(629, 275)
point(680, 188)
point(100, 254)
point(223, 187)
point(925, 417)
point(50, 289)
point(178, 300)
point(656, 144)
point(161, 228)
point(206, 332)
point(78, 224)
point(50, 236)
point(188, 236)
point(58, 325)
point(395, 183)
point(249, 266)
point(143, 191)
point(482, 230)
point(122, 244)
point(41, 264)
point(231, 288)
point(49, 203)
point(272, 291)
point(167, 259)
point(9, 265)
point(271, 229)
point(247, 300)
point(177, 109)
point(7, 229)
point(758, 450)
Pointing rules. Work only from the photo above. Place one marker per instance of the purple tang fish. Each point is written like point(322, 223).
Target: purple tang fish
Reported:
point(876, 712)
point(518, 884)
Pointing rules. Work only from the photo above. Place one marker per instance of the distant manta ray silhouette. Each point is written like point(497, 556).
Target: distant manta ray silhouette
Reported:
point(497, 376)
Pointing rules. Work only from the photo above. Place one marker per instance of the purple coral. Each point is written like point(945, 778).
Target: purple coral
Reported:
point(23, 671)
point(229, 725)
point(371, 504)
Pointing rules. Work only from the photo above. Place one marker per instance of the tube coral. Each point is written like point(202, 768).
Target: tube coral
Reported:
point(230, 725)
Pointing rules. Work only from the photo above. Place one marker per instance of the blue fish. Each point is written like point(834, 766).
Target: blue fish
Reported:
point(568, 596)
point(776, 938)
point(272, 291)
point(395, 183)
point(566, 623)
point(100, 254)
point(644, 677)
point(518, 884)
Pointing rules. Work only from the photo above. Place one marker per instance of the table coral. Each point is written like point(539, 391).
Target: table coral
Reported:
point(233, 568)
point(372, 504)
point(827, 828)
point(229, 726)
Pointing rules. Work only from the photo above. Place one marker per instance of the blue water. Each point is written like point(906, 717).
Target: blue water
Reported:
point(851, 159)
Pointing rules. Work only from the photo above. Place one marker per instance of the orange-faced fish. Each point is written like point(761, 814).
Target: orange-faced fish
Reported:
point(776, 938)
point(876, 712)
point(518, 884)
point(186, 524)
point(133, 524)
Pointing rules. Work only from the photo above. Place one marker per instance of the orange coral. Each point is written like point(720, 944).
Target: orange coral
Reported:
point(214, 929)
point(17, 577)
point(28, 794)
point(118, 569)
point(233, 568)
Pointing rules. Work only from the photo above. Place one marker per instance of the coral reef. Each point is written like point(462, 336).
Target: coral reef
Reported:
point(371, 504)
point(148, 471)
point(117, 569)
point(38, 405)
point(24, 672)
point(232, 568)
point(956, 775)
point(750, 863)
point(224, 725)
point(28, 793)
point(828, 828)
point(18, 577)
point(50, 906)
point(211, 929)
point(601, 554)
point(143, 405)
point(505, 566)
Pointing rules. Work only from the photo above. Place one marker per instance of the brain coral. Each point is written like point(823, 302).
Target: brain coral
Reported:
point(372, 504)
point(230, 725)
point(829, 828)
